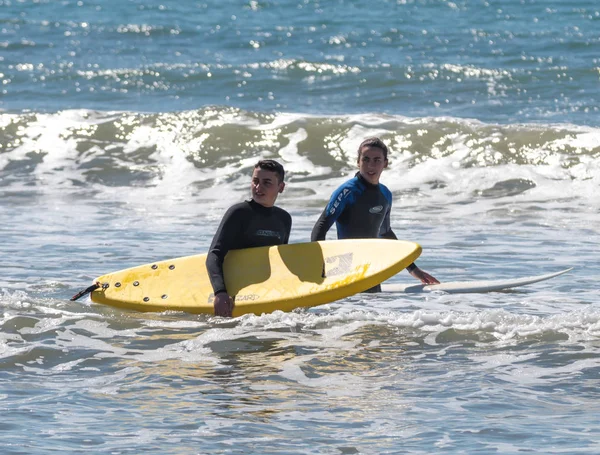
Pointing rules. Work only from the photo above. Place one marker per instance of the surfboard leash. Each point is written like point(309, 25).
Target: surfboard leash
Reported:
point(87, 290)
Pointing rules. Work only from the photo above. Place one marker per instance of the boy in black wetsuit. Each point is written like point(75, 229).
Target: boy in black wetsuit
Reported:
point(361, 206)
point(252, 223)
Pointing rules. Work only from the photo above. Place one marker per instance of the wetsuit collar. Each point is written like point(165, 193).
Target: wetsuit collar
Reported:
point(364, 181)
point(259, 207)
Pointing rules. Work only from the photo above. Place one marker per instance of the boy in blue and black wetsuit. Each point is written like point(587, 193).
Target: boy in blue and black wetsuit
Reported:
point(361, 207)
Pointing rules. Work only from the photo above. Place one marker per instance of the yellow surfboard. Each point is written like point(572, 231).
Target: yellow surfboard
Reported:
point(261, 280)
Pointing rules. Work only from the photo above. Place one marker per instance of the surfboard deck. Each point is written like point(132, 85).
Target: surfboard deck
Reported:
point(470, 286)
point(262, 279)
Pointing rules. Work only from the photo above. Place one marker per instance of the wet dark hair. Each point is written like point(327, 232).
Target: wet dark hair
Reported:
point(273, 166)
point(373, 142)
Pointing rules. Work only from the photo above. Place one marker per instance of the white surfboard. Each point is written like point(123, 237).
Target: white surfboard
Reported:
point(458, 287)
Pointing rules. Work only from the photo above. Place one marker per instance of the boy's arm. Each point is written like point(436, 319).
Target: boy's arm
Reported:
point(386, 232)
point(322, 225)
point(339, 199)
point(223, 241)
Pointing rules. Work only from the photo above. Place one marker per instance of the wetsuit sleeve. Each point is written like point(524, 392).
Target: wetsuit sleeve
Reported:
point(224, 240)
point(321, 227)
point(288, 228)
point(339, 199)
point(386, 227)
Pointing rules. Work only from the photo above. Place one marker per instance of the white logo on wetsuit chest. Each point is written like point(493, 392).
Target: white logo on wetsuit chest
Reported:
point(376, 209)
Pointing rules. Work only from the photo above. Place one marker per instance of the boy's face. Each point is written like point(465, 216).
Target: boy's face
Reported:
point(265, 187)
point(371, 164)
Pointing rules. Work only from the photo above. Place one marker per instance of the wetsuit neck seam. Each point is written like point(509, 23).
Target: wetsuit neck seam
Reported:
point(362, 180)
point(259, 207)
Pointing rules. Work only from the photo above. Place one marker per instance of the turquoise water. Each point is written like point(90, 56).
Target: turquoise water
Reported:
point(127, 129)
point(510, 61)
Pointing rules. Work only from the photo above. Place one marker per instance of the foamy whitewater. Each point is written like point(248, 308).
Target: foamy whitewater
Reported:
point(128, 128)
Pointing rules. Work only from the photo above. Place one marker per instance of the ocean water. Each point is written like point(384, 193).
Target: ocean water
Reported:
point(127, 128)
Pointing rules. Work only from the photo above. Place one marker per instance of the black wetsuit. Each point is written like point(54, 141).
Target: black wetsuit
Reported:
point(360, 210)
point(245, 225)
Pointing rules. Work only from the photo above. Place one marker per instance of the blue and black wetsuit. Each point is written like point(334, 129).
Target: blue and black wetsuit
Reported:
point(245, 225)
point(360, 210)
